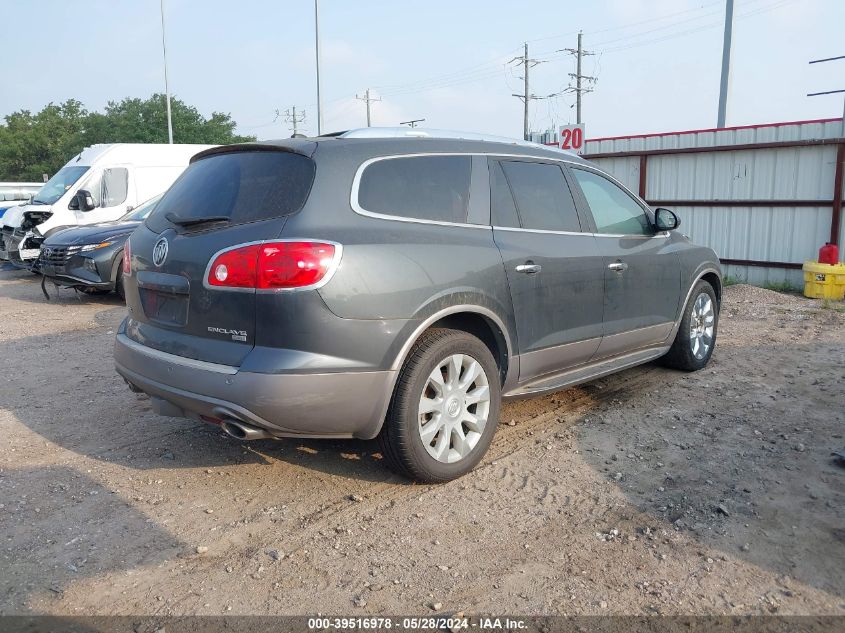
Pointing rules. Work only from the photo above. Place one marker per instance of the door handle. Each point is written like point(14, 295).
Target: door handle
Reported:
point(619, 267)
point(529, 269)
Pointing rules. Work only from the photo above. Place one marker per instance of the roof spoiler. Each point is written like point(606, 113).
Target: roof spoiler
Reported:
point(292, 146)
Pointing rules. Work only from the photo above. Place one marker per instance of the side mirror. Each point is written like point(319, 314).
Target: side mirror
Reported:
point(666, 220)
point(85, 200)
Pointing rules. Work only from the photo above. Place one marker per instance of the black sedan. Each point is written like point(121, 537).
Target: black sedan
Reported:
point(89, 258)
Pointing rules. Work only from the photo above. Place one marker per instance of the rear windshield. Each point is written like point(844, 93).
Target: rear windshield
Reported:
point(242, 186)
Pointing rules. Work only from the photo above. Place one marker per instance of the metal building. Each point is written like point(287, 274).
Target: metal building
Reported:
point(764, 197)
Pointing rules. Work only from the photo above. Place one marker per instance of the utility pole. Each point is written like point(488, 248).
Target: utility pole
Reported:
point(525, 96)
point(526, 62)
point(317, 52)
point(579, 89)
point(412, 123)
point(368, 99)
point(724, 84)
point(166, 84)
point(293, 118)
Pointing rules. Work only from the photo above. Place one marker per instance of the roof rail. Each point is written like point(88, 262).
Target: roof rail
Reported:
point(416, 132)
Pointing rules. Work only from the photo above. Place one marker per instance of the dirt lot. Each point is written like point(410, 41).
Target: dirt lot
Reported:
point(651, 491)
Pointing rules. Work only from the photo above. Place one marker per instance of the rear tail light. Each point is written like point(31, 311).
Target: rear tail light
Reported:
point(127, 258)
point(271, 265)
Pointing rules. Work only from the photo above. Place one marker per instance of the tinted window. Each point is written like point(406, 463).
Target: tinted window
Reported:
point(542, 196)
point(613, 209)
point(115, 186)
point(421, 187)
point(141, 211)
point(242, 186)
point(502, 207)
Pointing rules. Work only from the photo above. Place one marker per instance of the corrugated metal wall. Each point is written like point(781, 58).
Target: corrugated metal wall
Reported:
point(764, 233)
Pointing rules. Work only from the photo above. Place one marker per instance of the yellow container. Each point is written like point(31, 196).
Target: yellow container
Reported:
point(824, 281)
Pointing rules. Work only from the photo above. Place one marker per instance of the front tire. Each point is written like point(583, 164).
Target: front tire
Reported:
point(445, 408)
point(696, 337)
point(118, 285)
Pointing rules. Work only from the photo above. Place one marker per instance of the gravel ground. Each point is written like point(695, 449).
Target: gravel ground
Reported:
point(651, 491)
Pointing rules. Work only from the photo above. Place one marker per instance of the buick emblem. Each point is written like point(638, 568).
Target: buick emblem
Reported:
point(160, 251)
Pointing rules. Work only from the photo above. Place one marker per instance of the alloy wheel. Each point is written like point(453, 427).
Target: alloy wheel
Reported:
point(702, 325)
point(454, 407)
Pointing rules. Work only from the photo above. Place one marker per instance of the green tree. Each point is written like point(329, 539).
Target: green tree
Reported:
point(32, 145)
point(145, 121)
point(36, 144)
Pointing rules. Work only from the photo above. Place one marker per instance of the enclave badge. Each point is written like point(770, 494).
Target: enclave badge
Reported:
point(160, 251)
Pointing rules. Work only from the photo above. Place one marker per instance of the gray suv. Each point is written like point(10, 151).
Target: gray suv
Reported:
point(377, 284)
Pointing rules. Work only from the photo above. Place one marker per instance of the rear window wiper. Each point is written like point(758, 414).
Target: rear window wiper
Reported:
point(192, 221)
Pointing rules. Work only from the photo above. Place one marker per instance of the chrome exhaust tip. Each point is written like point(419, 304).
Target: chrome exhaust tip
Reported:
point(244, 432)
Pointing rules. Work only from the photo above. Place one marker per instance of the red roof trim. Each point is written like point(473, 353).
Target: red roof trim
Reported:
point(723, 129)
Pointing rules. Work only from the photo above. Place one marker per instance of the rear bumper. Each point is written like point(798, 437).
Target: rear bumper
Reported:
point(337, 404)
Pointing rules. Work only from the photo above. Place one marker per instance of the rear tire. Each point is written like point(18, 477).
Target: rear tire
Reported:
point(696, 337)
point(444, 410)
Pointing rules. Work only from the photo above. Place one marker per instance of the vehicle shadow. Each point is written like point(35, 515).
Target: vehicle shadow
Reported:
point(59, 527)
point(64, 388)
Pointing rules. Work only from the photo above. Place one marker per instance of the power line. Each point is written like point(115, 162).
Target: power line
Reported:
point(697, 29)
point(484, 71)
point(827, 59)
point(630, 25)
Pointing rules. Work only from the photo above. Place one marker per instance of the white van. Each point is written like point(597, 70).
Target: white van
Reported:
point(101, 184)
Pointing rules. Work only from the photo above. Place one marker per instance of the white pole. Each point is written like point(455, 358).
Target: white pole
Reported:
point(166, 84)
point(724, 85)
point(317, 46)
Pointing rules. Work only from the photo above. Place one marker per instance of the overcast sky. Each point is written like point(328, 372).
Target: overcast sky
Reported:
point(657, 62)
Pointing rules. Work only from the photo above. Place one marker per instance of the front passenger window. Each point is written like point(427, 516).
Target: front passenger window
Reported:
point(614, 211)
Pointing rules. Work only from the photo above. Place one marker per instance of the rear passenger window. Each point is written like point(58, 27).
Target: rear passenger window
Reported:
point(241, 186)
point(542, 196)
point(502, 207)
point(418, 187)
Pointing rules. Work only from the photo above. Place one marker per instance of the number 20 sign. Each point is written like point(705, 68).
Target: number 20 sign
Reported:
point(572, 138)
